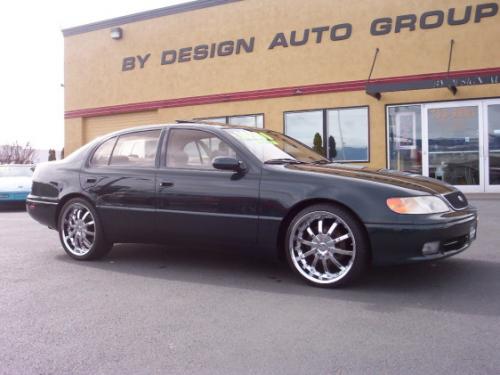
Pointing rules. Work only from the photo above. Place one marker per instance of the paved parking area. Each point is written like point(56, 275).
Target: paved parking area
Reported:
point(155, 310)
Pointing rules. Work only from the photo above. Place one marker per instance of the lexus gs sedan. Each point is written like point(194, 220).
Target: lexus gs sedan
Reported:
point(216, 185)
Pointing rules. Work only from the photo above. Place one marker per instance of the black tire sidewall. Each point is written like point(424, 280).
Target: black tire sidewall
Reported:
point(100, 247)
point(361, 259)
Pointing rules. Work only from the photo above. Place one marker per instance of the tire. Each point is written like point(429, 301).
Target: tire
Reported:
point(332, 253)
point(80, 231)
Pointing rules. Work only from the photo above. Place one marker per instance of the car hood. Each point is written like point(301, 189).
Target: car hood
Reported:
point(383, 176)
point(12, 184)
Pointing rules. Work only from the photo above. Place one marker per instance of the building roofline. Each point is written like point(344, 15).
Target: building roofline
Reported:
point(141, 16)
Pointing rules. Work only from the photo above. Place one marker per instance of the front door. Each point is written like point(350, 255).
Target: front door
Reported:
point(198, 203)
point(453, 144)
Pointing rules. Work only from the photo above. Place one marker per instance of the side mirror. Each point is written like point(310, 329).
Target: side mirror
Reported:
point(228, 164)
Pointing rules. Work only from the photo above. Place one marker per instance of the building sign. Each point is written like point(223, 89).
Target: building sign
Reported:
point(488, 79)
point(432, 19)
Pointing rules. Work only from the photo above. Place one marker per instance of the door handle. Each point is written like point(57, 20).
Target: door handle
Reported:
point(166, 184)
point(91, 180)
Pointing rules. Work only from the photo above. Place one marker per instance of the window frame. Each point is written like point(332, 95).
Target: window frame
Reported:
point(325, 128)
point(162, 131)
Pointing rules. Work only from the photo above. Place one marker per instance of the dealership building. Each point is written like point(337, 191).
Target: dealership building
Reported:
point(406, 85)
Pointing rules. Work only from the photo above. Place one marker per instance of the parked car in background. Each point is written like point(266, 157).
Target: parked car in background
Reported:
point(15, 182)
point(234, 186)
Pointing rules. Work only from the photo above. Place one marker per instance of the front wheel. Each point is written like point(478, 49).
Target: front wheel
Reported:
point(326, 246)
point(80, 231)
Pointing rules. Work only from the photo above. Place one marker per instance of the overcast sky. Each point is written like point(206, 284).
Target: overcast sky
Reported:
point(31, 63)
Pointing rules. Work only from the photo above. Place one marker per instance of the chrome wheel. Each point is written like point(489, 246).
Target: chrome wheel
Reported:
point(78, 229)
point(322, 247)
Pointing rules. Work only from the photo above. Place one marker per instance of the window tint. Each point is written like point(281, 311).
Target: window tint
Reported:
point(195, 149)
point(136, 149)
point(102, 154)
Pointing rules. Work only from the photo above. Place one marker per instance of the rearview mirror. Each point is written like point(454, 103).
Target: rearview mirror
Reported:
point(228, 164)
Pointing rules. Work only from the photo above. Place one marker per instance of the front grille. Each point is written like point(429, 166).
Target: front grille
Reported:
point(457, 200)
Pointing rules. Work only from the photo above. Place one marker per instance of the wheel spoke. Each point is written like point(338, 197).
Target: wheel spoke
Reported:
point(341, 238)
point(315, 262)
point(305, 242)
point(308, 253)
point(310, 231)
point(325, 266)
point(336, 262)
point(85, 215)
point(332, 228)
point(87, 243)
point(90, 223)
point(320, 226)
point(343, 252)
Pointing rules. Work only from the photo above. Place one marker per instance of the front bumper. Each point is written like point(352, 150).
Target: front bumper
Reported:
point(404, 243)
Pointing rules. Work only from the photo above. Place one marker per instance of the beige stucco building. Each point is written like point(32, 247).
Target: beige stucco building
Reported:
point(409, 85)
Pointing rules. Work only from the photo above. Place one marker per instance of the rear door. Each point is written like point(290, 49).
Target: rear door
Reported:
point(198, 203)
point(120, 176)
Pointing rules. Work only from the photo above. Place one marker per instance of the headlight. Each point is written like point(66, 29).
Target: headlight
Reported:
point(428, 204)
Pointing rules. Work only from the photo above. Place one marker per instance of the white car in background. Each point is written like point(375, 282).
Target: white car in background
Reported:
point(15, 182)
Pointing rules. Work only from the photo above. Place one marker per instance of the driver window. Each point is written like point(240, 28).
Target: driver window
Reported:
point(195, 149)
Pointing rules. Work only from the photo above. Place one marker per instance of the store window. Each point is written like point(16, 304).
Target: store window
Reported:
point(257, 121)
point(340, 134)
point(405, 138)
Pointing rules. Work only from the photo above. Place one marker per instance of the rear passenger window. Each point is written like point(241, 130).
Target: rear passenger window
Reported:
point(103, 153)
point(136, 149)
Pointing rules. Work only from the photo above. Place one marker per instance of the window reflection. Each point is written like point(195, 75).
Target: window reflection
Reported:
point(347, 136)
point(454, 144)
point(405, 139)
point(494, 143)
point(339, 134)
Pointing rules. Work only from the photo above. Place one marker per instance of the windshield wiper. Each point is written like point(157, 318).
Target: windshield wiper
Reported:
point(284, 161)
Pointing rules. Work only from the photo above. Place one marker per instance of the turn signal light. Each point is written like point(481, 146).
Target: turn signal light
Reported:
point(428, 204)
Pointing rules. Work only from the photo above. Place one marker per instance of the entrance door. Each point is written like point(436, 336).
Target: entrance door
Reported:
point(452, 144)
point(492, 145)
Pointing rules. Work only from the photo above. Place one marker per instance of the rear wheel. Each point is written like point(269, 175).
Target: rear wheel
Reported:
point(326, 246)
point(80, 231)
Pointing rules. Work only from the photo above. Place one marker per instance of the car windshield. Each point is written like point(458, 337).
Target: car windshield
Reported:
point(16, 171)
point(275, 148)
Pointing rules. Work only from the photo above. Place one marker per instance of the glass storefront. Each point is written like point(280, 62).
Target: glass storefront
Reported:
point(456, 142)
